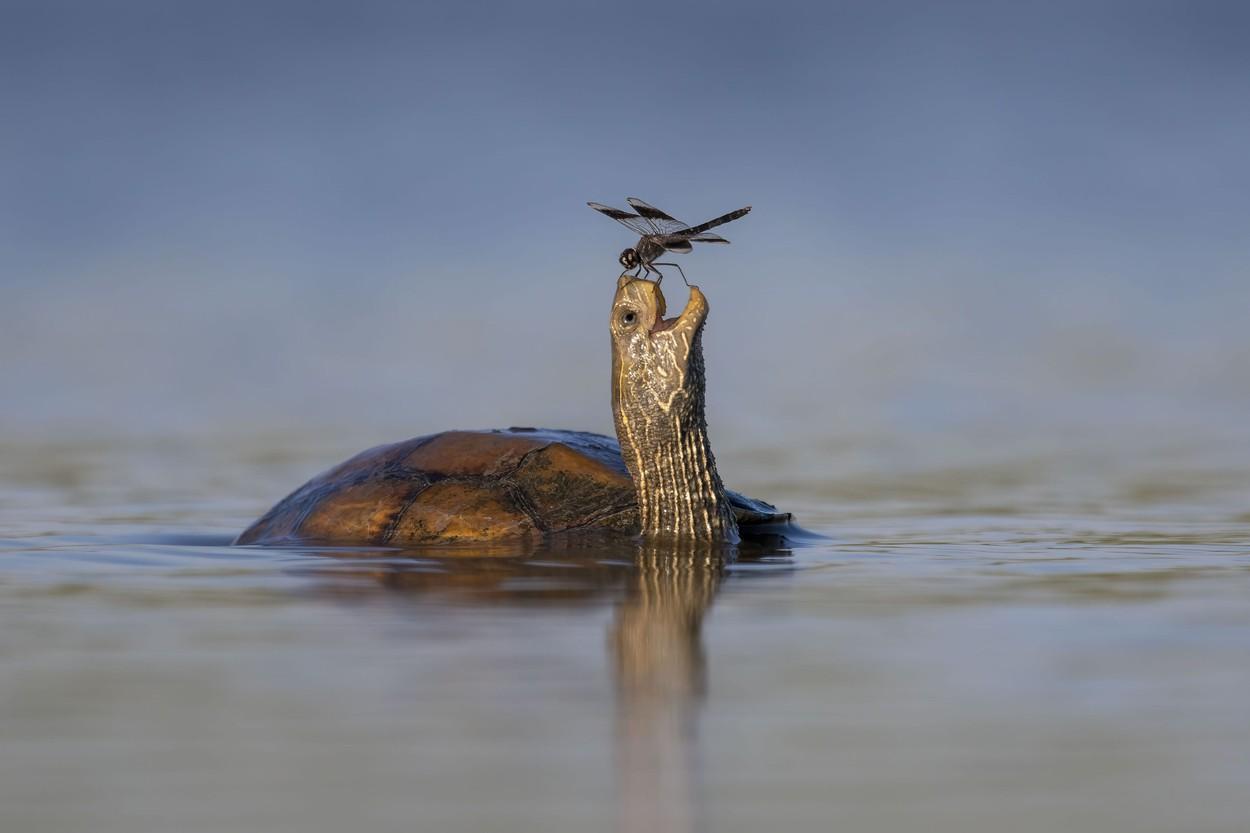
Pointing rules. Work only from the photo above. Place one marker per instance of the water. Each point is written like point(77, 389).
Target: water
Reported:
point(1026, 640)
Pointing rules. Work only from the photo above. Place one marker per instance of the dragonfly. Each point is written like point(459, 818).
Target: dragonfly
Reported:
point(661, 233)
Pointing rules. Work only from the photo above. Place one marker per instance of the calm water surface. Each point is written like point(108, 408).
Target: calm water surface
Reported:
point(986, 640)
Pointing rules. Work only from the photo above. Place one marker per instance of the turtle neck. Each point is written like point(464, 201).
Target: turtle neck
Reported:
point(658, 387)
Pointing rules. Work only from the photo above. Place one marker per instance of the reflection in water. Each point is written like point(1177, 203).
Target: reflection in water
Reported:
point(660, 680)
point(654, 641)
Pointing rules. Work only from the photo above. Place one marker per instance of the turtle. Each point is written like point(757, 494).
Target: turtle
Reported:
point(658, 479)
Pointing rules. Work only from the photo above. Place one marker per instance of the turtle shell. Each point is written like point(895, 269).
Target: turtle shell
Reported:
point(469, 486)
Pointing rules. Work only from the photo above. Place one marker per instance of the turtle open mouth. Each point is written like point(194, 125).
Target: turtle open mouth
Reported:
point(696, 308)
point(662, 324)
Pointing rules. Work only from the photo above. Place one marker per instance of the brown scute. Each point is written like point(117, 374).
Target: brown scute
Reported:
point(361, 512)
point(568, 489)
point(368, 463)
point(453, 510)
point(278, 524)
point(461, 453)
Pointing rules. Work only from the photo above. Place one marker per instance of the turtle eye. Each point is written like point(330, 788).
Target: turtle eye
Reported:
point(629, 318)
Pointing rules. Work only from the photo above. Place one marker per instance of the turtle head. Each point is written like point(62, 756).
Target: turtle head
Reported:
point(649, 347)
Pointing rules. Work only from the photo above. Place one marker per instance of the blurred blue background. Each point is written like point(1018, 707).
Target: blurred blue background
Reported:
point(1025, 218)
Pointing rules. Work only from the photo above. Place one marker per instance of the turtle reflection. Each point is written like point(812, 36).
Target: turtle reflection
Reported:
point(661, 677)
point(662, 592)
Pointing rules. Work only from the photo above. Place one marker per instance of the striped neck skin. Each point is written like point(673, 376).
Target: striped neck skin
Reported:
point(658, 405)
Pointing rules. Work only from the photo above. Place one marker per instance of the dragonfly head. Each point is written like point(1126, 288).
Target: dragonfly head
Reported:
point(629, 259)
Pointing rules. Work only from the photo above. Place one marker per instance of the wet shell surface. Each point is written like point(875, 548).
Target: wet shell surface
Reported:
point(469, 486)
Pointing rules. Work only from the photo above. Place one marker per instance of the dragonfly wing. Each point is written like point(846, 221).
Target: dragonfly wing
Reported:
point(634, 222)
point(677, 245)
point(707, 237)
point(664, 223)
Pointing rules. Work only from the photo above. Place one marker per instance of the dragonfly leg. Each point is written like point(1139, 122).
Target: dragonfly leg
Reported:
point(650, 268)
point(678, 268)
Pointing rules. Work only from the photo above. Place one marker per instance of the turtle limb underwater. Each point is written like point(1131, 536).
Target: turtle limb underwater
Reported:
point(480, 486)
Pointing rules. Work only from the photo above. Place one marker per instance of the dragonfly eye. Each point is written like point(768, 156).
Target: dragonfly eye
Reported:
point(629, 258)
